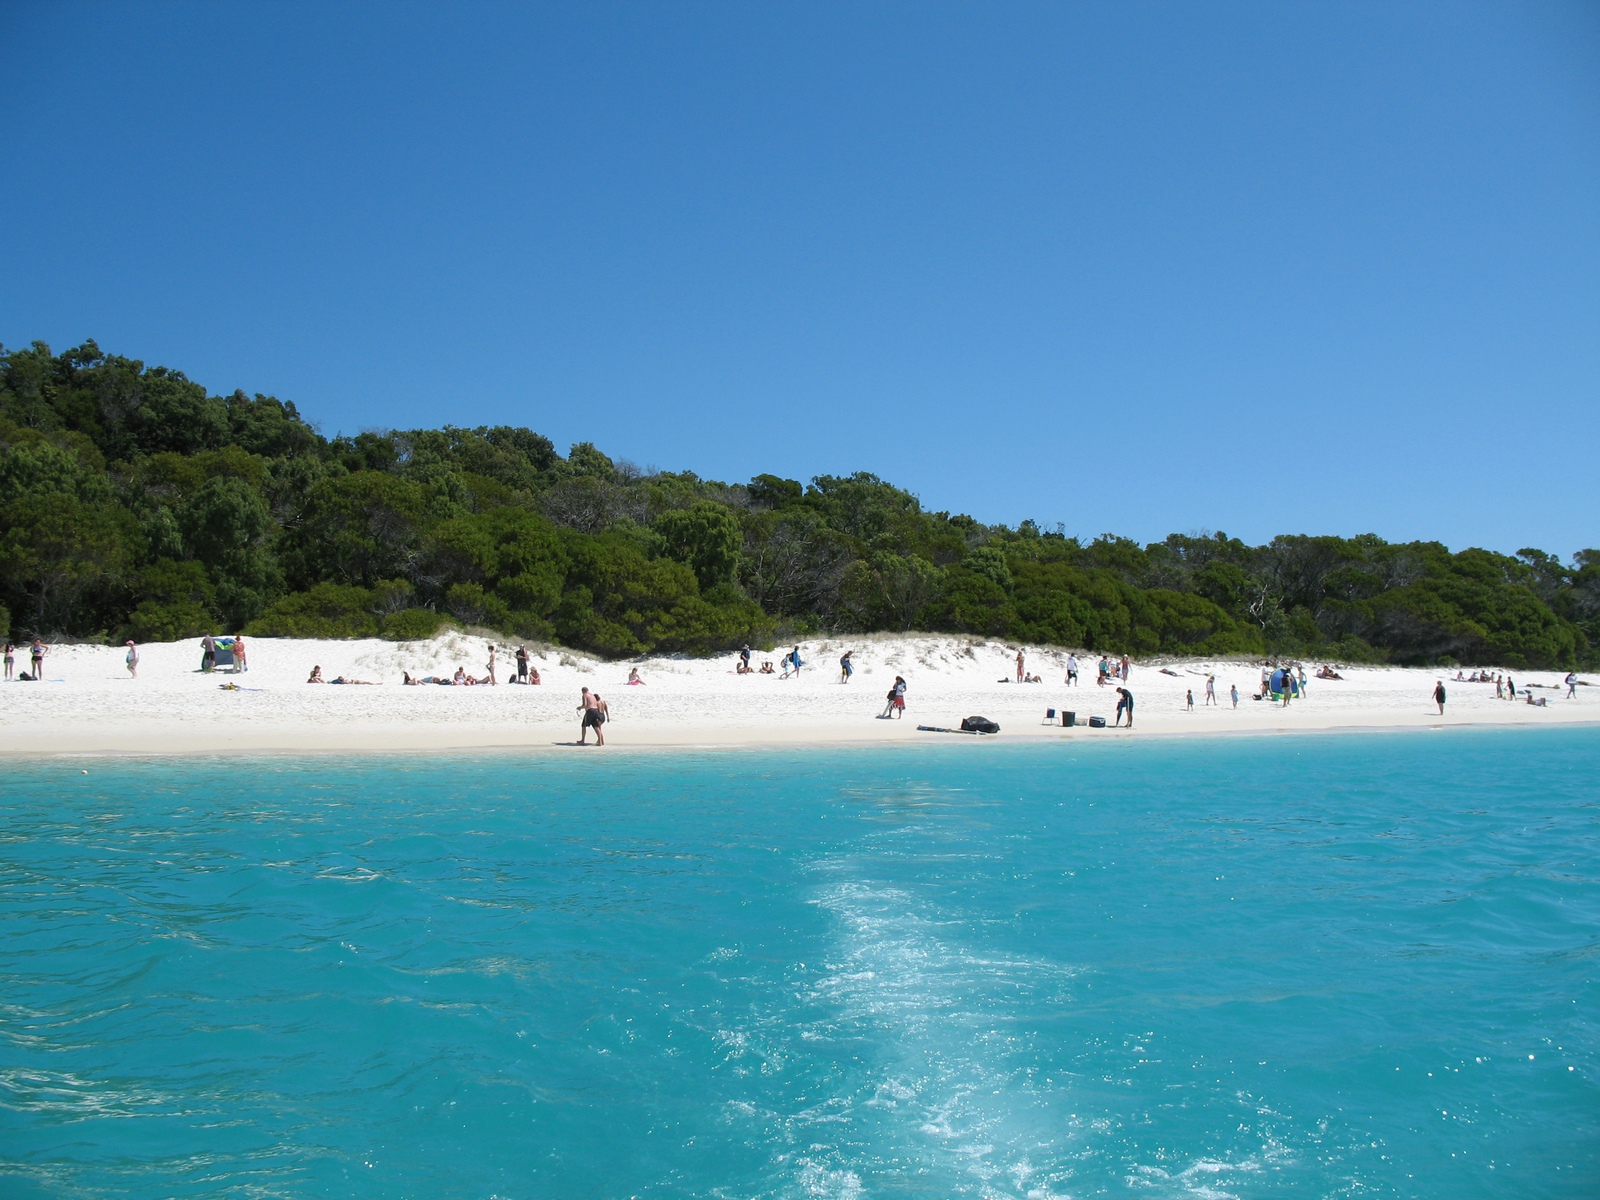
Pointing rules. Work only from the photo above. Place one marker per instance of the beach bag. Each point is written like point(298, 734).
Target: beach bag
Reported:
point(979, 725)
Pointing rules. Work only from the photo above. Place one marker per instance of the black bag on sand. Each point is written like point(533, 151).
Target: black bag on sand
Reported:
point(979, 725)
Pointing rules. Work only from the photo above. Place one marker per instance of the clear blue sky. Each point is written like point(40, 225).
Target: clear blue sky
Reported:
point(1275, 267)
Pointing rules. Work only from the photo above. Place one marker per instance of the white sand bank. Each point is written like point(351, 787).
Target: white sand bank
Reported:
point(172, 708)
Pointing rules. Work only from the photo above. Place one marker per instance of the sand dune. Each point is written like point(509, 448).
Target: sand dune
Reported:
point(172, 708)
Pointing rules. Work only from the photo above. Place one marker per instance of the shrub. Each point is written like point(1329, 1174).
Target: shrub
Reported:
point(412, 624)
point(326, 611)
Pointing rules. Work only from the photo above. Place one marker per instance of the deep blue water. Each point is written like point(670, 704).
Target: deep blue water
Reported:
point(1323, 966)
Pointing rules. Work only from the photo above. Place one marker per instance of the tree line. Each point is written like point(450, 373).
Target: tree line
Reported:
point(135, 504)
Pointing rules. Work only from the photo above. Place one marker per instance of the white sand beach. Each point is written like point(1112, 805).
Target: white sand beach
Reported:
point(88, 703)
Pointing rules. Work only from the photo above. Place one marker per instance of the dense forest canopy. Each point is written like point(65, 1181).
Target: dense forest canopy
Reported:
point(134, 504)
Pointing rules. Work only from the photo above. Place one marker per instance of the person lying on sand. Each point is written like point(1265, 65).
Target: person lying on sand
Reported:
point(361, 682)
point(410, 682)
point(1327, 672)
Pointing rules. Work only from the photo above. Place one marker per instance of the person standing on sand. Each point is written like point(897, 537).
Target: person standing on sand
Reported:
point(208, 653)
point(522, 664)
point(1233, 688)
point(591, 718)
point(1072, 670)
point(1127, 703)
point(11, 658)
point(1438, 696)
point(845, 669)
point(1511, 688)
point(1188, 699)
point(133, 660)
point(1019, 664)
point(1572, 685)
point(896, 706)
point(602, 714)
point(492, 679)
point(1211, 690)
point(36, 657)
point(240, 663)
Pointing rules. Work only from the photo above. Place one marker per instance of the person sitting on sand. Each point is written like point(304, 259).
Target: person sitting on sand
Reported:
point(533, 675)
point(461, 678)
point(316, 676)
point(766, 668)
point(633, 677)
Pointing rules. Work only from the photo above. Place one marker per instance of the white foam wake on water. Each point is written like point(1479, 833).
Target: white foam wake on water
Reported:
point(946, 1095)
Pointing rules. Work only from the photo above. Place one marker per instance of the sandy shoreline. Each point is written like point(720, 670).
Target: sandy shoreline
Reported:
point(172, 709)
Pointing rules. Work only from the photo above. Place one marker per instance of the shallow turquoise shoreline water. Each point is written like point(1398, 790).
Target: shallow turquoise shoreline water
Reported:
point(1352, 966)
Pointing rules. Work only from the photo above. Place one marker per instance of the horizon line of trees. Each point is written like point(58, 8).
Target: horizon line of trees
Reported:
point(135, 504)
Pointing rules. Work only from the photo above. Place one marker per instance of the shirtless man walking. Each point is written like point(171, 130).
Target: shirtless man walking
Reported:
point(590, 709)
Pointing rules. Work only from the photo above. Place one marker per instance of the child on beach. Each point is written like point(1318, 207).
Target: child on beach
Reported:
point(1188, 699)
point(132, 660)
point(1234, 689)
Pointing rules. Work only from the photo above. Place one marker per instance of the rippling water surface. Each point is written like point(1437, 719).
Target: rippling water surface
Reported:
point(1335, 966)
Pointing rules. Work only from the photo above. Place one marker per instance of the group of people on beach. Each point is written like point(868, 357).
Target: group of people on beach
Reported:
point(36, 653)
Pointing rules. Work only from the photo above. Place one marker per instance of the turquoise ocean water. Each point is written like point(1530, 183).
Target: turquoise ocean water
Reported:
point(1325, 966)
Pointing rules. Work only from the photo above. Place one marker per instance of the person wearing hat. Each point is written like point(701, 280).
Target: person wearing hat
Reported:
point(133, 659)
